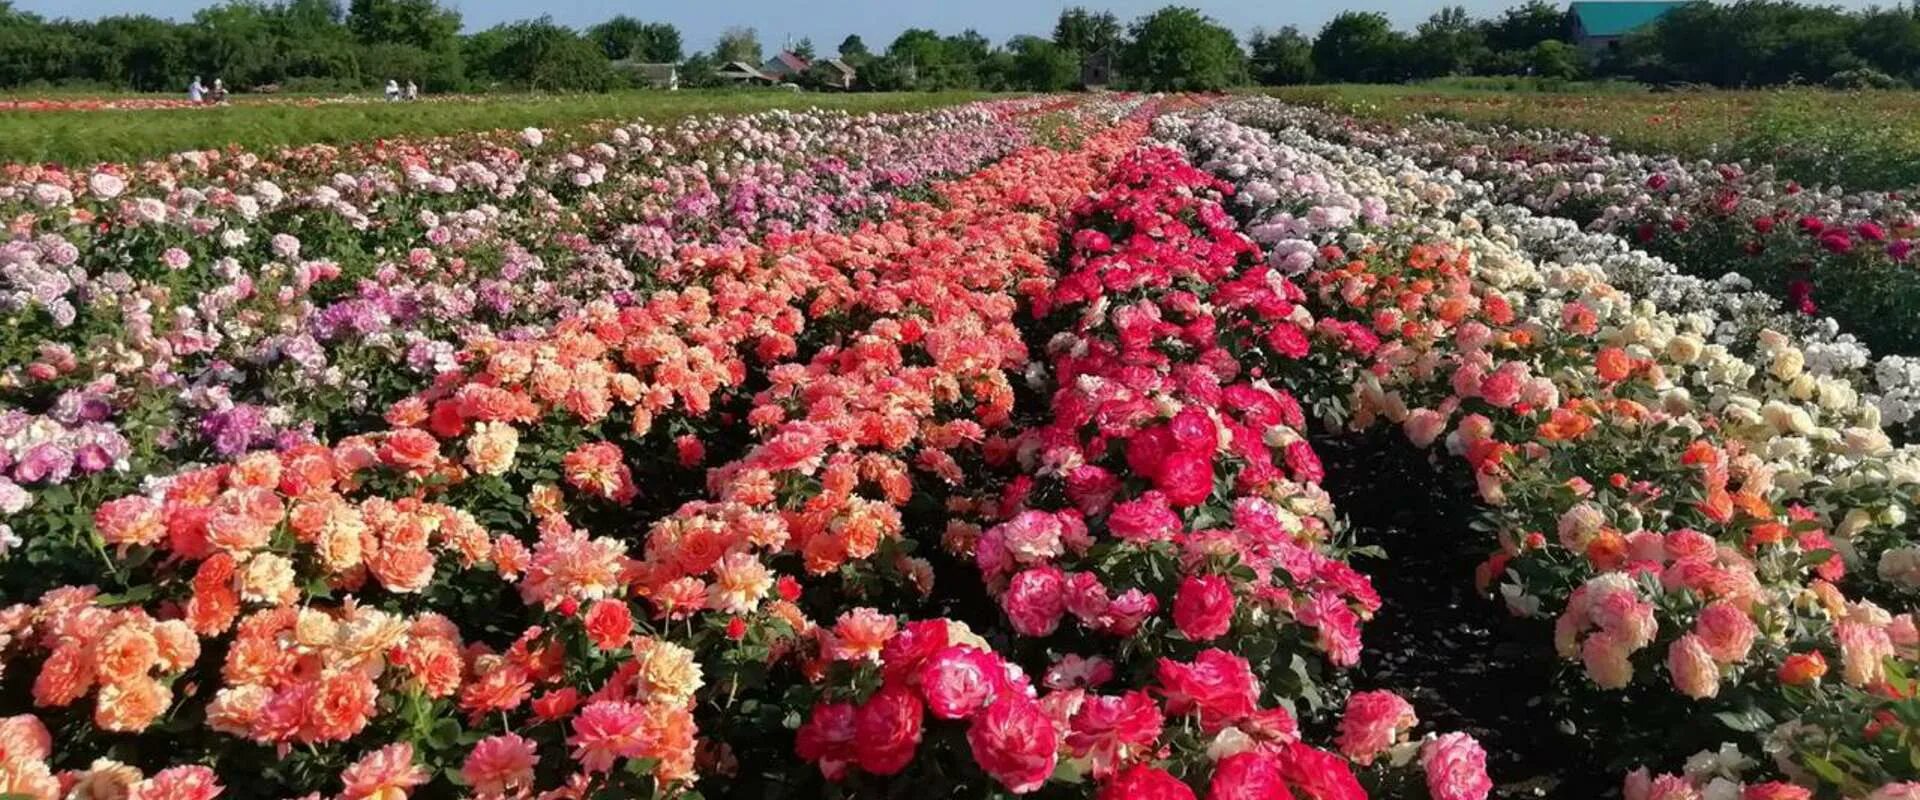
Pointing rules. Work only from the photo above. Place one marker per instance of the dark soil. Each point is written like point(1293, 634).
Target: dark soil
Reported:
point(1463, 662)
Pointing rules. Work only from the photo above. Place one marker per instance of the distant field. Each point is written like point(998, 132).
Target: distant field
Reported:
point(87, 136)
point(1862, 140)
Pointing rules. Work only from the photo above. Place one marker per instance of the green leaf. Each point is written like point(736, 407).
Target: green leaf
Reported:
point(1746, 720)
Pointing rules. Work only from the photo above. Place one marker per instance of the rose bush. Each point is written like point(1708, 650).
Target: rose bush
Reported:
point(1705, 516)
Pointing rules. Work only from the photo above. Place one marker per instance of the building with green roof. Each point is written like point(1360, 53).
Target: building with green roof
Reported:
point(1599, 24)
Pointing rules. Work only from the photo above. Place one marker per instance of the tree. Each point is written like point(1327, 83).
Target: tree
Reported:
point(1552, 58)
point(738, 44)
point(419, 23)
point(853, 48)
point(1889, 39)
point(804, 49)
point(1446, 44)
point(1524, 26)
point(624, 37)
point(1039, 65)
point(1283, 58)
point(1359, 47)
point(1178, 48)
point(920, 57)
point(1084, 32)
point(538, 54)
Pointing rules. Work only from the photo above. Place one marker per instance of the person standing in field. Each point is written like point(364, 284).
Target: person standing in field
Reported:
point(393, 90)
point(413, 92)
point(196, 92)
point(219, 91)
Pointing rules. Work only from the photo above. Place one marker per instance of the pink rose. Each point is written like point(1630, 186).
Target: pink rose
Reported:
point(958, 681)
point(1726, 632)
point(1456, 768)
point(1607, 660)
point(1692, 668)
point(1374, 721)
point(1034, 601)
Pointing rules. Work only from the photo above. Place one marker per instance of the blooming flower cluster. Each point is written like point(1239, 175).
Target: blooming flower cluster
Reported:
point(1849, 254)
point(1166, 506)
point(1713, 516)
point(211, 304)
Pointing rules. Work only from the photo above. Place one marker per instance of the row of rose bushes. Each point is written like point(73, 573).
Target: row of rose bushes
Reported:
point(1821, 250)
point(490, 555)
point(1707, 517)
point(1017, 598)
point(171, 311)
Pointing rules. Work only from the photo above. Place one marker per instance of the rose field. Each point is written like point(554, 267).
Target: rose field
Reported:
point(1107, 445)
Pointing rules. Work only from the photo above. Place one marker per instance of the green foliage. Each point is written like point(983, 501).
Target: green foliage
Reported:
point(624, 37)
point(854, 47)
point(1039, 65)
point(81, 137)
point(1085, 32)
point(1282, 58)
point(1178, 48)
point(1360, 47)
point(541, 55)
point(738, 44)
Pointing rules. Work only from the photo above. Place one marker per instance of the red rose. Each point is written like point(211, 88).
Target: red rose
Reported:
point(1147, 518)
point(411, 448)
point(1015, 742)
point(736, 629)
point(827, 738)
point(1217, 685)
point(556, 704)
point(959, 680)
point(690, 450)
point(1304, 463)
point(888, 730)
point(907, 650)
point(1111, 731)
point(1203, 608)
point(1250, 775)
point(1319, 774)
point(1145, 783)
point(787, 588)
point(1186, 478)
point(1194, 430)
point(608, 624)
point(1142, 782)
point(1148, 449)
point(1034, 600)
point(1288, 340)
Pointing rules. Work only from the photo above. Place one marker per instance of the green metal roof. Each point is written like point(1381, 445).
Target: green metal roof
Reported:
point(1620, 18)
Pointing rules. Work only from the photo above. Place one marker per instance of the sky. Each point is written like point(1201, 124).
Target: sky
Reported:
point(826, 22)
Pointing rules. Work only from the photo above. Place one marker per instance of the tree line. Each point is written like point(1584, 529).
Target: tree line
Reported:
point(322, 45)
point(1741, 44)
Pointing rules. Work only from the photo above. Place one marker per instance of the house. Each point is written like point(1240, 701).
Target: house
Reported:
point(651, 75)
point(1096, 69)
point(741, 72)
point(1599, 25)
point(785, 66)
point(833, 73)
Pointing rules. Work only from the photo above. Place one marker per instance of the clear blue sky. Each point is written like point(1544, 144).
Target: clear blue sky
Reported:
point(828, 21)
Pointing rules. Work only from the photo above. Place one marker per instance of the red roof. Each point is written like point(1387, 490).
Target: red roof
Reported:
point(791, 61)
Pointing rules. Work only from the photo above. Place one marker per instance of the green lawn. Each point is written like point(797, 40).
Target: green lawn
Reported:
point(80, 137)
point(1862, 140)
